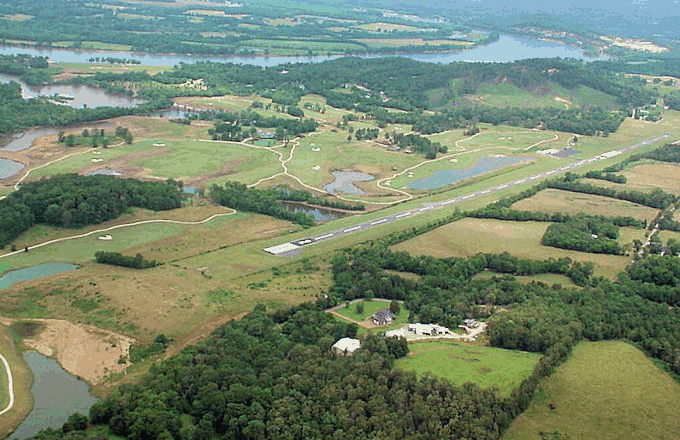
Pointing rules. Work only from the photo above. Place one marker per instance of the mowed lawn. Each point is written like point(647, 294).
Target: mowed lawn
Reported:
point(566, 202)
point(22, 385)
point(370, 307)
point(471, 236)
point(460, 363)
point(606, 390)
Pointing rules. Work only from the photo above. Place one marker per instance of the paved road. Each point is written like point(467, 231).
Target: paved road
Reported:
point(294, 246)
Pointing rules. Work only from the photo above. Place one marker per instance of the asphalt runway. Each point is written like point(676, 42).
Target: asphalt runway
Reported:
point(294, 247)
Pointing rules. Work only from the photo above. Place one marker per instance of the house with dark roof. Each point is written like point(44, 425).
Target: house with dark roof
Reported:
point(383, 317)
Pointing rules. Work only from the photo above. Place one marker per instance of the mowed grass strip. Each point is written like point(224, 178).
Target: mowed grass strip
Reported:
point(471, 236)
point(606, 390)
point(566, 202)
point(460, 363)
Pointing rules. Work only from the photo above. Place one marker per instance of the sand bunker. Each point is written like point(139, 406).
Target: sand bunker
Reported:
point(82, 350)
point(106, 237)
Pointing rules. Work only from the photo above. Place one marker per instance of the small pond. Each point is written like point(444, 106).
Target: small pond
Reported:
point(56, 396)
point(448, 177)
point(105, 172)
point(33, 272)
point(319, 214)
point(191, 190)
point(9, 168)
point(344, 182)
point(25, 140)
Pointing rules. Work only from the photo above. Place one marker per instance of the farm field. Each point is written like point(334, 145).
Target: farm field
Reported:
point(566, 202)
point(22, 383)
point(460, 363)
point(658, 174)
point(401, 42)
point(606, 390)
point(509, 95)
point(522, 239)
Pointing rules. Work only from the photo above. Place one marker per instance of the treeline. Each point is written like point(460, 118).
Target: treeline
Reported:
point(237, 195)
point(73, 201)
point(118, 259)
point(292, 127)
point(584, 234)
point(610, 177)
point(286, 193)
point(32, 70)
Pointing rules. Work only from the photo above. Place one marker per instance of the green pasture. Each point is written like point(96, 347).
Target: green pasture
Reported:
point(554, 95)
point(606, 390)
point(234, 103)
point(106, 67)
point(292, 45)
point(460, 363)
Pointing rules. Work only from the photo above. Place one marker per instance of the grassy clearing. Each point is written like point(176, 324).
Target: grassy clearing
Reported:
point(378, 27)
point(91, 68)
point(460, 363)
point(566, 202)
point(401, 42)
point(22, 384)
point(523, 239)
point(606, 390)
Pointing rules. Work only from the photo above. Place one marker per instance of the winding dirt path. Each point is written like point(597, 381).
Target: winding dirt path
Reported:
point(10, 384)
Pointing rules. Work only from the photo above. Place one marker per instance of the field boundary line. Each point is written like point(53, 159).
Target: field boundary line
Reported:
point(125, 225)
point(10, 383)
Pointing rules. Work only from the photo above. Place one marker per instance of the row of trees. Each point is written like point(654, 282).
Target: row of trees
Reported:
point(286, 193)
point(118, 259)
point(73, 201)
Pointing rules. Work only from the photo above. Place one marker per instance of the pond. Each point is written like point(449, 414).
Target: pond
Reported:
point(448, 177)
point(56, 396)
point(344, 182)
point(8, 168)
point(25, 140)
point(105, 172)
point(83, 96)
point(507, 48)
point(33, 272)
point(319, 214)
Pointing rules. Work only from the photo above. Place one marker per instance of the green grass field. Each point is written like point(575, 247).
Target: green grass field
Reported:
point(22, 384)
point(460, 363)
point(606, 390)
point(547, 278)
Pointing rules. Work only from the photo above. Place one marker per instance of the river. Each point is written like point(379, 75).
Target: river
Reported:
point(507, 48)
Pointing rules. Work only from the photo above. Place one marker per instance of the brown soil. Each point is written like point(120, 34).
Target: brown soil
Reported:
point(82, 350)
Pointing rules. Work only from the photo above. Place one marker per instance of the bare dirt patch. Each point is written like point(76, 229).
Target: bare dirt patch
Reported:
point(82, 350)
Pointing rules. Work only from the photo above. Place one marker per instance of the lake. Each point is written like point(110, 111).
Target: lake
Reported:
point(448, 177)
point(33, 272)
point(83, 96)
point(56, 396)
point(507, 48)
point(344, 182)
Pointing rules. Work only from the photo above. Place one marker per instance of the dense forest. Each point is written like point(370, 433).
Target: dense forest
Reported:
point(584, 234)
point(73, 201)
